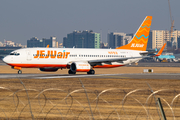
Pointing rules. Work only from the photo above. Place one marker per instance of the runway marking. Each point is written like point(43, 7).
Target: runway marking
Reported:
point(116, 76)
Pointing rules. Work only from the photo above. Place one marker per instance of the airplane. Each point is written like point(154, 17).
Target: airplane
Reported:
point(166, 56)
point(80, 59)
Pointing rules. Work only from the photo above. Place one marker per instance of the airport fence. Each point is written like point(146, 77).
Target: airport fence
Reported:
point(112, 103)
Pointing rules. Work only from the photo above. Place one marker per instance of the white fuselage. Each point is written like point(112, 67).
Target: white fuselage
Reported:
point(62, 57)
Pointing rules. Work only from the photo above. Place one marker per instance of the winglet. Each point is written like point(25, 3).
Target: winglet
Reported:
point(47, 46)
point(140, 39)
point(161, 50)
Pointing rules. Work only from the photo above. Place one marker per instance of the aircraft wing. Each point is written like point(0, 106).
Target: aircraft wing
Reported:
point(99, 61)
point(113, 59)
point(108, 61)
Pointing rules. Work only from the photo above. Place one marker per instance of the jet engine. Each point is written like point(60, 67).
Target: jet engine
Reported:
point(48, 69)
point(80, 67)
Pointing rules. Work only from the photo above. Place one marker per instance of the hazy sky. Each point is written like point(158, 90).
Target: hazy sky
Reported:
point(22, 19)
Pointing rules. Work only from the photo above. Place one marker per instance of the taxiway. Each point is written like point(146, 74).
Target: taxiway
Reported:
point(115, 76)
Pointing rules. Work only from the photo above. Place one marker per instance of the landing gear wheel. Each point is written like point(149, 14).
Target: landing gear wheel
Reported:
point(91, 72)
point(19, 72)
point(71, 72)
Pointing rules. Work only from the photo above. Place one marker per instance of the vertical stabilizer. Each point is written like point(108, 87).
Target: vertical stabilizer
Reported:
point(140, 39)
point(161, 50)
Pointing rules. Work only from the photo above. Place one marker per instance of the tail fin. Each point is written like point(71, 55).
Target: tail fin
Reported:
point(140, 39)
point(161, 50)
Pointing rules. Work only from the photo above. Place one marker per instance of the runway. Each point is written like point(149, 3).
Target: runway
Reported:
point(112, 76)
point(115, 75)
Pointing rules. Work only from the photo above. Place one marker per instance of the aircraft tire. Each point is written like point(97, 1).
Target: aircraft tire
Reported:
point(19, 72)
point(71, 72)
point(91, 72)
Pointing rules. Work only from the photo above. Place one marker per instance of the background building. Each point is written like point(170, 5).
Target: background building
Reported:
point(8, 43)
point(116, 39)
point(158, 37)
point(35, 42)
point(84, 39)
point(178, 39)
point(1, 44)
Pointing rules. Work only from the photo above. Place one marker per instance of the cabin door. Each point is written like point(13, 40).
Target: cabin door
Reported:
point(29, 57)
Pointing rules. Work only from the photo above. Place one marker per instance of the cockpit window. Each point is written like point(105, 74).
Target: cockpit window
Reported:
point(11, 53)
point(15, 53)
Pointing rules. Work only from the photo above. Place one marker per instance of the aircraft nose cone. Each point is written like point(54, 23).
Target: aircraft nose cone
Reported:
point(5, 59)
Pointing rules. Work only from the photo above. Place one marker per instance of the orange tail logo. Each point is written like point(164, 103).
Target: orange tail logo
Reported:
point(140, 39)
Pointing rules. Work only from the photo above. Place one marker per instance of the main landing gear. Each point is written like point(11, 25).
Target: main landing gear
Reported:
point(91, 72)
point(71, 72)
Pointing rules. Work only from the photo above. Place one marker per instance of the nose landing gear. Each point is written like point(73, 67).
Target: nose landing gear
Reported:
point(17, 68)
point(19, 72)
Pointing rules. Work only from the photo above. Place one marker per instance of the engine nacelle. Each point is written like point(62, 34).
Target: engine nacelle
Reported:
point(48, 69)
point(80, 67)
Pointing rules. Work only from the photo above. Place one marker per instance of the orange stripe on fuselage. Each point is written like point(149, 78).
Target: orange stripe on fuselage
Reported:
point(38, 65)
point(82, 70)
point(56, 65)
